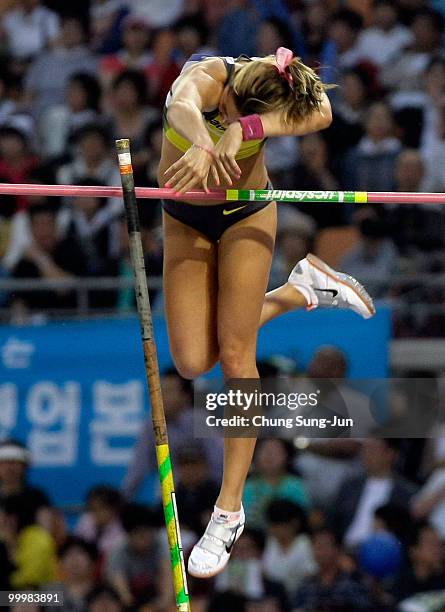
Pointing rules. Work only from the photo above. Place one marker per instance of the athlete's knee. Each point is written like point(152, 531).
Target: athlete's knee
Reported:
point(193, 365)
point(237, 360)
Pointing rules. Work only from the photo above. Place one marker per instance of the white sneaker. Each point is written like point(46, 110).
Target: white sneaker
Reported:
point(324, 287)
point(212, 553)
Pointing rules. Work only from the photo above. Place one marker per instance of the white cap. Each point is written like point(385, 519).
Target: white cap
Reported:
point(14, 452)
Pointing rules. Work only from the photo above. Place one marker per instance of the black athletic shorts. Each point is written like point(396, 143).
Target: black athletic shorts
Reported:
point(212, 221)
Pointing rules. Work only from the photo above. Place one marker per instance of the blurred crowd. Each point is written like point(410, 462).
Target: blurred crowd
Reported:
point(74, 78)
point(333, 525)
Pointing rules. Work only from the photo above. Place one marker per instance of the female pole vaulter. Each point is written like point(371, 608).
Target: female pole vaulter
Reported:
point(217, 117)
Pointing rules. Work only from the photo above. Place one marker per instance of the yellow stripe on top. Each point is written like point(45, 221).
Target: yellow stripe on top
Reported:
point(247, 149)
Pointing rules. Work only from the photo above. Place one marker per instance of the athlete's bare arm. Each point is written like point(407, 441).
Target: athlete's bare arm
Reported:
point(195, 91)
point(274, 124)
point(199, 89)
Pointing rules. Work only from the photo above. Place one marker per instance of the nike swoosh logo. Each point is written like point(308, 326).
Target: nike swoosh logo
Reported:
point(233, 210)
point(333, 291)
point(230, 546)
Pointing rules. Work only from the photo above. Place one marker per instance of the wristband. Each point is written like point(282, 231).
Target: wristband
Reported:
point(206, 149)
point(252, 127)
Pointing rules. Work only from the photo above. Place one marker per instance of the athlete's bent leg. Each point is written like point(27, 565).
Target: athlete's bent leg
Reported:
point(245, 255)
point(312, 283)
point(190, 293)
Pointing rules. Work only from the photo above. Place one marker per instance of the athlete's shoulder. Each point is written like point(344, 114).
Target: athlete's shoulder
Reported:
point(213, 65)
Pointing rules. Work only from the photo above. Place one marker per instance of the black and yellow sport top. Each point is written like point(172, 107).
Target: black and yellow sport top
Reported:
point(212, 119)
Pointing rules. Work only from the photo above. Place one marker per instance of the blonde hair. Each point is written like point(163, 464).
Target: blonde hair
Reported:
point(258, 87)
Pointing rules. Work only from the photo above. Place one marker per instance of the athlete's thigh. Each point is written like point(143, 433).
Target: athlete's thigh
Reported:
point(244, 260)
point(190, 292)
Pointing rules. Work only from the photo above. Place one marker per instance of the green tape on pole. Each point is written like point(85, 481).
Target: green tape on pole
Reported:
point(182, 597)
point(165, 468)
point(169, 512)
point(175, 556)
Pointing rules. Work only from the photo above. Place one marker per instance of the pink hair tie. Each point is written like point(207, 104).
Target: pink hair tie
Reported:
point(283, 58)
point(252, 127)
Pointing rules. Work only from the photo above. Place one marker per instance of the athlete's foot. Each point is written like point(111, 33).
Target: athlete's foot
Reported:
point(212, 553)
point(324, 287)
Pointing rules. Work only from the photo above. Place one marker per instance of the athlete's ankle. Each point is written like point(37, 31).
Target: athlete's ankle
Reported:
point(228, 515)
point(228, 504)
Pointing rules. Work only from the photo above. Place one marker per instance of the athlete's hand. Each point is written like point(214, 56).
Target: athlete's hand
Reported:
point(225, 152)
point(191, 170)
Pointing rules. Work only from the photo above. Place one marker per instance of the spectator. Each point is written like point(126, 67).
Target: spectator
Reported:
point(134, 54)
point(30, 28)
point(314, 28)
point(47, 78)
point(177, 395)
point(237, 29)
point(373, 261)
point(47, 257)
point(59, 125)
point(272, 479)
point(274, 33)
point(415, 228)
point(350, 107)
point(121, 266)
point(382, 42)
point(159, 13)
point(94, 222)
point(314, 173)
point(163, 68)
point(394, 519)
point(429, 502)
point(359, 497)
point(287, 558)
point(370, 165)
point(332, 588)
point(281, 154)
point(106, 18)
point(18, 226)
point(191, 37)
point(130, 116)
point(17, 160)
point(92, 158)
point(341, 51)
point(296, 233)
point(433, 134)
point(139, 567)
point(101, 523)
point(244, 574)
point(326, 463)
point(196, 492)
point(404, 73)
point(426, 568)
point(9, 87)
point(77, 565)
point(31, 548)
point(14, 464)
point(104, 598)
